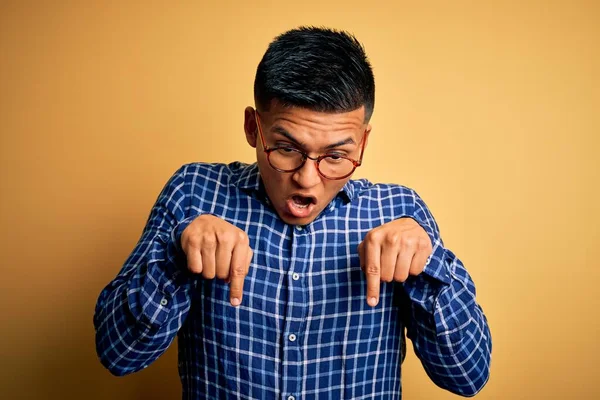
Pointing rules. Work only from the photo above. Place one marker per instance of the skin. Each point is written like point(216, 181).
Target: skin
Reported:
point(315, 131)
point(391, 252)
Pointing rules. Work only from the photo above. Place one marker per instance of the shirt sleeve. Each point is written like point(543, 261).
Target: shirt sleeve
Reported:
point(449, 330)
point(139, 313)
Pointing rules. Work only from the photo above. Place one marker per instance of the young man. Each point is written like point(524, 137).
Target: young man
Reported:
point(285, 279)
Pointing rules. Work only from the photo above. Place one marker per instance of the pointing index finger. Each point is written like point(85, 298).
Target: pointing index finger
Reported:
point(372, 267)
point(240, 260)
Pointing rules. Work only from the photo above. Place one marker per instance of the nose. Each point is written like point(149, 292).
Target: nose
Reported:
point(308, 176)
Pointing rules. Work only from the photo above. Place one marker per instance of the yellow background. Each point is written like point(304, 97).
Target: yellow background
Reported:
point(489, 111)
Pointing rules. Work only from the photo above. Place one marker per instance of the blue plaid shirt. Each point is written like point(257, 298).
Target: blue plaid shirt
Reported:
point(304, 329)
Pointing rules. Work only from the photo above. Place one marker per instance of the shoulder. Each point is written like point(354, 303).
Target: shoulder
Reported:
point(363, 188)
point(389, 199)
point(218, 173)
point(202, 169)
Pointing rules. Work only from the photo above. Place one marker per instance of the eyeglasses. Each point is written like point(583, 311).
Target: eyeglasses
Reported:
point(289, 159)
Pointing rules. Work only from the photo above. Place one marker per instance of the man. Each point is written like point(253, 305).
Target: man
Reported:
point(285, 279)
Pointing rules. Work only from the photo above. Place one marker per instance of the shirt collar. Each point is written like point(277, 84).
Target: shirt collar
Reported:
point(249, 180)
point(347, 191)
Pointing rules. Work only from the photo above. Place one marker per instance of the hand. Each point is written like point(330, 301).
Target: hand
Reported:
point(215, 247)
point(392, 252)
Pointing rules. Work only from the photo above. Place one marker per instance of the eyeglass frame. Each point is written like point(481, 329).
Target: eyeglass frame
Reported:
point(268, 150)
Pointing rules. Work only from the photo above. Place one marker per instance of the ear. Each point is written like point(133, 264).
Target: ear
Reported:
point(250, 127)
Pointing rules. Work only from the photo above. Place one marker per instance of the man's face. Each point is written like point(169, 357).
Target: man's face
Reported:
point(300, 196)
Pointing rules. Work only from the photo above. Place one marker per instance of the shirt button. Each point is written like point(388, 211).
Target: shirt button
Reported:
point(163, 302)
point(299, 228)
point(295, 276)
point(291, 398)
point(292, 337)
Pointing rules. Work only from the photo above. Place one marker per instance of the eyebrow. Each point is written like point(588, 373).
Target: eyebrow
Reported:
point(283, 132)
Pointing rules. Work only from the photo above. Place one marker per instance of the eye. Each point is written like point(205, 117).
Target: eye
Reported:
point(286, 151)
point(335, 158)
point(285, 147)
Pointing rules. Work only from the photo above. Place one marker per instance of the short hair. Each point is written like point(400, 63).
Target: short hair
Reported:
point(320, 69)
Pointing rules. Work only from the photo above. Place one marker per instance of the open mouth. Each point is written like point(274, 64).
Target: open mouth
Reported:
point(300, 206)
point(301, 201)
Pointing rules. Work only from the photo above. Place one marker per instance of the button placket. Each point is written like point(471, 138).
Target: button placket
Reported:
point(301, 240)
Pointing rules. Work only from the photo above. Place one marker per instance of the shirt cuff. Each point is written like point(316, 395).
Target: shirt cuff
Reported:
point(165, 278)
point(436, 267)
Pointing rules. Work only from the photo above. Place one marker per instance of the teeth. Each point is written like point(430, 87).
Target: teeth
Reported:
point(301, 202)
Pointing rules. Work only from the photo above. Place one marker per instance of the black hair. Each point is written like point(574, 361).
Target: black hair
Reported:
point(320, 69)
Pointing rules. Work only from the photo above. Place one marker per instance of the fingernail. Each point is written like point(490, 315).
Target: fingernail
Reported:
point(372, 301)
point(235, 302)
